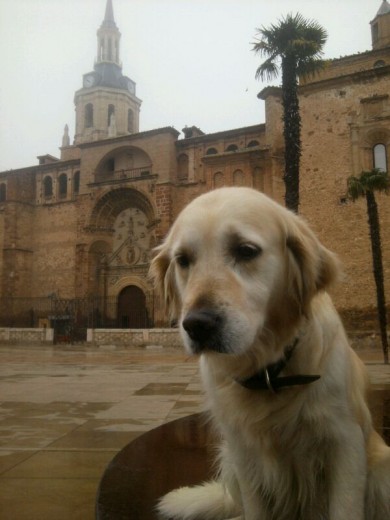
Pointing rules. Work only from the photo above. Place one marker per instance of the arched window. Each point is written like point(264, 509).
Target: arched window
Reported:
point(232, 148)
point(110, 111)
point(380, 157)
point(47, 186)
point(109, 49)
point(3, 192)
point(218, 180)
point(258, 179)
point(88, 115)
point(130, 121)
point(62, 185)
point(76, 182)
point(211, 151)
point(374, 33)
point(111, 165)
point(379, 63)
point(182, 167)
point(238, 178)
point(117, 51)
point(253, 143)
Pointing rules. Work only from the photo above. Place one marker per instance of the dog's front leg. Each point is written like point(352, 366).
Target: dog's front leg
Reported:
point(348, 476)
point(252, 503)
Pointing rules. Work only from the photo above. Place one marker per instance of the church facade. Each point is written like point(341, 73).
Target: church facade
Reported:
point(77, 232)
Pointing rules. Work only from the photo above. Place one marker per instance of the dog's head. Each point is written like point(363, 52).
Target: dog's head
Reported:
point(237, 268)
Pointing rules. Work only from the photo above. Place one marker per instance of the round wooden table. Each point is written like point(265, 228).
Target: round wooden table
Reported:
point(179, 453)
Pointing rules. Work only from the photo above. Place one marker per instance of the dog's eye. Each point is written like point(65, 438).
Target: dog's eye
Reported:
point(182, 260)
point(246, 252)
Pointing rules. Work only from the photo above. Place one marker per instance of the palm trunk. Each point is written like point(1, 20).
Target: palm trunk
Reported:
point(373, 222)
point(292, 132)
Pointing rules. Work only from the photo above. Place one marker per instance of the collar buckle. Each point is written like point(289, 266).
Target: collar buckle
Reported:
point(268, 378)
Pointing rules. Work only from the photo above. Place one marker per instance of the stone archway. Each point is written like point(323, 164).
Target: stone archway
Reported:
point(132, 312)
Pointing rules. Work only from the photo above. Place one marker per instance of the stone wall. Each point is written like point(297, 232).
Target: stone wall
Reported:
point(98, 337)
point(135, 337)
point(11, 335)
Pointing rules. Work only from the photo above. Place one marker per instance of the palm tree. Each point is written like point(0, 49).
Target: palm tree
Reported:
point(365, 185)
point(293, 47)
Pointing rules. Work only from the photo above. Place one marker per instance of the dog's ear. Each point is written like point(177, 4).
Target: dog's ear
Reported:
point(311, 267)
point(162, 273)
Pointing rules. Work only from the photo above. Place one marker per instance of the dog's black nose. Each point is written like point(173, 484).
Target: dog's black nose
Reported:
point(202, 325)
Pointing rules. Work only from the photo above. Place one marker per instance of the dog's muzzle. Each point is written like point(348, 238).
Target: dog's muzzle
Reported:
point(204, 328)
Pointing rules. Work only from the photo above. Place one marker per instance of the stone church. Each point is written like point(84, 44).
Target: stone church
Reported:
point(77, 232)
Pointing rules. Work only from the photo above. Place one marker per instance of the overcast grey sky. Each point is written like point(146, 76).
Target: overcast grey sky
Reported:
point(191, 60)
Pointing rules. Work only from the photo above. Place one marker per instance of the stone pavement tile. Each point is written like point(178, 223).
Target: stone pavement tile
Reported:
point(61, 464)
point(58, 411)
point(48, 498)
point(184, 408)
point(110, 435)
point(32, 434)
point(162, 389)
point(140, 407)
point(10, 458)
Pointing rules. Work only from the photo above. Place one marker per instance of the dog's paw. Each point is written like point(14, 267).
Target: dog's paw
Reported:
point(209, 501)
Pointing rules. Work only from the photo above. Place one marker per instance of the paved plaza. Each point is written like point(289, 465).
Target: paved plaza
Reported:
point(67, 410)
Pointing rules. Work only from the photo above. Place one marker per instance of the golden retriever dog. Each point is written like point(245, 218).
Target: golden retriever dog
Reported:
point(246, 281)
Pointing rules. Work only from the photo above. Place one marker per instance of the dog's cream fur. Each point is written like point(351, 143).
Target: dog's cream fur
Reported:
point(306, 452)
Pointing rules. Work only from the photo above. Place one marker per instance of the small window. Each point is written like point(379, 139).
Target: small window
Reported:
point(374, 32)
point(182, 166)
point(76, 182)
point(111, 165)
point(47, 187)
point(232, 148)
point(253, 143)
point(3, 192)
point(88, 115)
point(378, 64)
point(110, 111)
point(211, 151)
point(62, 185)
point(380, 157)
point(130, 121)
point(117, 51)
point(219, 180)
point(109, 49)
point(238, 178)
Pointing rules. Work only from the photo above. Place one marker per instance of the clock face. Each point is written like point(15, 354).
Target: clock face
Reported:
point(133, 240)
point(89, 81)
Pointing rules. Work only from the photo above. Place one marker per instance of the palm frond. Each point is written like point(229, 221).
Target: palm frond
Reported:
point(267, 70)
point(371, 180)
point(355, 189)
point(292, 37)
point(375, 180)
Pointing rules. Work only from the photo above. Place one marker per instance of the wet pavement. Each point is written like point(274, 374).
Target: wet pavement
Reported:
point(66, 411)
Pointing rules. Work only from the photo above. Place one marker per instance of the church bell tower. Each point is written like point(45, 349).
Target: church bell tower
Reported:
point(106, 105)
point(380, 27)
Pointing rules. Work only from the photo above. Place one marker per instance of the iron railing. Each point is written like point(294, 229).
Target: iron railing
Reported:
point(70, 318)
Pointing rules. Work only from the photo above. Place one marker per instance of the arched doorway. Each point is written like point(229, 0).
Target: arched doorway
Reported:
point(132, 312)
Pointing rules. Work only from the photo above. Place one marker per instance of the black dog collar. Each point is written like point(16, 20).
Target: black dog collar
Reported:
point(268, 378)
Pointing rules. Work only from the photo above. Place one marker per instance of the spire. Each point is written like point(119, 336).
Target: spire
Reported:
point(384, 8)
point(380, 27)
point(108, 38)
point(109, 16)
point(65, 137)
